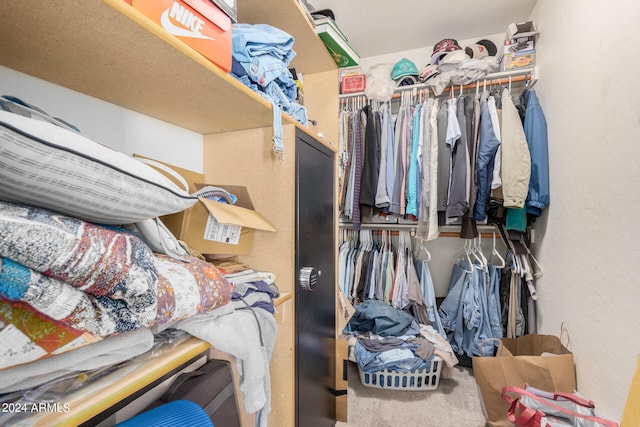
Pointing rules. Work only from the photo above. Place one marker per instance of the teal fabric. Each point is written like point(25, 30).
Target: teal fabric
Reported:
point(517, 219)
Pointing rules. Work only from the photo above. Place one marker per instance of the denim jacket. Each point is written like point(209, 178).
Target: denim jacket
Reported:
point(535, 129)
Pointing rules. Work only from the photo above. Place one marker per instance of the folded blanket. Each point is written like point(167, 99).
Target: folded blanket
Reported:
point(188, 288)
point(99, 279)
point(99, 315)
point(28, 335)
point(96, 260)
point(115, 349)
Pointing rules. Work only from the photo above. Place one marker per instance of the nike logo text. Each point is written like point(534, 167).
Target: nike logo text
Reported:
point(191, 25)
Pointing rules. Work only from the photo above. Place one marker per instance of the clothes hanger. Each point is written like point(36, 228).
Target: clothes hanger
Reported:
point(537, 274)
point(463, 251)
point(496, 253)
point(477, 251)
point(423, 248)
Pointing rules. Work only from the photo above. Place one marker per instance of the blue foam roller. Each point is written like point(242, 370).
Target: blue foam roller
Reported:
point(173, 414)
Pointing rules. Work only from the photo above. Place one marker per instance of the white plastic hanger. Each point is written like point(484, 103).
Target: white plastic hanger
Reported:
point(464, 251)
point(484, 262)
point(423, 248)
point(496, 253)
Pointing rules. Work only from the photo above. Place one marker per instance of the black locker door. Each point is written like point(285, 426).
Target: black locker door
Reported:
point(315, 287)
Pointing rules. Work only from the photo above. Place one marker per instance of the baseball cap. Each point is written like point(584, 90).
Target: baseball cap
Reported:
point(476, 51)
point(492, 50)
point(443, 47)
point(429, 71)
point(403, 68)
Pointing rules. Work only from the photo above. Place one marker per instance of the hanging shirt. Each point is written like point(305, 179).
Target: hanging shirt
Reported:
point(386, 139)
point(456, 139)
point(391, 163)
point(397, 193)
point(371, 157)
point(412, 177)
point(444, 156)
point(358, 150)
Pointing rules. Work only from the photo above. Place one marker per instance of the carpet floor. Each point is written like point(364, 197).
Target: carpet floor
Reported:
point(454, 403)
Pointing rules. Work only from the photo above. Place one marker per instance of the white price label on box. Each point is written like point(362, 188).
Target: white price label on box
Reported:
point(225, 233)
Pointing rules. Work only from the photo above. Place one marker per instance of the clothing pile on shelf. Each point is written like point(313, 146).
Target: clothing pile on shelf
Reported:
point(450, 64)
point(261, 55)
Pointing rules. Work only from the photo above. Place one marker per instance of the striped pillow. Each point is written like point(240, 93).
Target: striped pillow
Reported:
point(48, 166)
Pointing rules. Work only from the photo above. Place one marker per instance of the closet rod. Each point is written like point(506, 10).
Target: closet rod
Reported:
point(490, 79)
point(485, 231)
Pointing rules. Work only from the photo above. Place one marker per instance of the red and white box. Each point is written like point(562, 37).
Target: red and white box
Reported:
point(353, 83)
point(199, 23)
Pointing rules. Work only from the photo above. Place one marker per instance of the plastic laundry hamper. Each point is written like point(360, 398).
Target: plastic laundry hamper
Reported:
point(178, 413)
point(416, 380)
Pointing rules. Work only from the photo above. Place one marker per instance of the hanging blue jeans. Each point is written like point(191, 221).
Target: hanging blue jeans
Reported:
point(426, 284)
point(493, 301)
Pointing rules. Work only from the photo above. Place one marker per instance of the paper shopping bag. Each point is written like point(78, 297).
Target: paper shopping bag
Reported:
point(538, 360)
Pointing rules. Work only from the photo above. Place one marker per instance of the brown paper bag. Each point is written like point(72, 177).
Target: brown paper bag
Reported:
point(519, 361)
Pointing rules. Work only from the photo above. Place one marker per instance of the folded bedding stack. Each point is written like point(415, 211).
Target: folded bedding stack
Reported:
point(72, 270)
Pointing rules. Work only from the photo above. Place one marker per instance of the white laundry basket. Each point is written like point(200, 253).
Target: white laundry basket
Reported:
point(416, 380)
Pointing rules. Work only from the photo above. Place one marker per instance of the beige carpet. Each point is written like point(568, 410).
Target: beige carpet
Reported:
point(455, 403)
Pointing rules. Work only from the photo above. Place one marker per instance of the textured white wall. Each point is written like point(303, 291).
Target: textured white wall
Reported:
point(589, 241)
point(121, 129)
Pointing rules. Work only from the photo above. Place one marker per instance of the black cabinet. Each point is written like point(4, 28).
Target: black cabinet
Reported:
point(315, 286)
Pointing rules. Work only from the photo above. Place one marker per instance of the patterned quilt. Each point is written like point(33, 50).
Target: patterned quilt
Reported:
point(91, 281)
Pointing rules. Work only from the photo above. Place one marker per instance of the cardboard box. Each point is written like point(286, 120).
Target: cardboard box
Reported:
point(522, 29)
point(212, 227)
point(206, 29)
point(342, 381)
point(511, 61)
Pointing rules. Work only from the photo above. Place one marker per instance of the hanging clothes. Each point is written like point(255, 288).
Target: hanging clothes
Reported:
point(535, 130)
point(372, 269)
point(370, 157)
point(470, 312)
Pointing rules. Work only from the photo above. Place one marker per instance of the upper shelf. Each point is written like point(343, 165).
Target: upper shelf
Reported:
point(108, 50)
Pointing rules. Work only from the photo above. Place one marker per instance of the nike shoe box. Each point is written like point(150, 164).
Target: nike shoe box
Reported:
point(200, 24)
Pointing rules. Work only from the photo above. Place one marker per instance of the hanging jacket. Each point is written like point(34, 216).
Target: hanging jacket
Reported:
point(516, 160)
point(487, 147)
point(535, 130)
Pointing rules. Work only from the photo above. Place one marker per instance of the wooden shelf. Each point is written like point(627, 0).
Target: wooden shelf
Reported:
point(108, 50)
point(96, 397)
